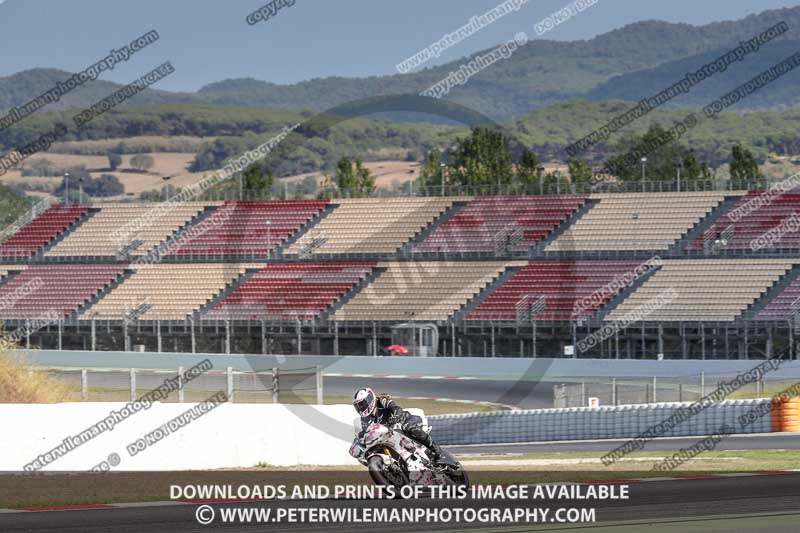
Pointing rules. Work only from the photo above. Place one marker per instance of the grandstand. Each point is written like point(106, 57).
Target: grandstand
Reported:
point(561, 286)
point(707, 290)
point(63, 289)
point(370, 226)
point(95, 236)
point(491, 275)
point(44, 230)
point(167, 291)
point(286, 291)
point(785, 306)
point(637, 222)
point(250, 229)
point(421, 291)
point(501, 223)
point(753, 215)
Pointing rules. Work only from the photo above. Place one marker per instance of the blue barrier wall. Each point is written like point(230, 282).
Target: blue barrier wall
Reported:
point(475, 367)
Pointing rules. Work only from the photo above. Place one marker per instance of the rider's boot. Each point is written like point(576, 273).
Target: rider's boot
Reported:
point(436, 451)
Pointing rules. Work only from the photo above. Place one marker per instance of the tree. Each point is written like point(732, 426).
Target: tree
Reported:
point(744, 167)
point(105, 185)
point(114, 160)
point(580, 172)
point(556, 182)
point(353, 177)
point(255, 179)
point(529, 170)
point(365, 180)
point(345, 177)
point(142, 162)
point(694, 169)
point(309, 186)
point(665, 158)
point(482, 160)
point(431, 173)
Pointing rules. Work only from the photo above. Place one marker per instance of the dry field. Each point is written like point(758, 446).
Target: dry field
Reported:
point(387, 173)
point(135, 182)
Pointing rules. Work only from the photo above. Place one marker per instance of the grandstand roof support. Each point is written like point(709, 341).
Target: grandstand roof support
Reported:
point(227, 336)
point(263, 337)
point(374, 340)
point(644, 342)
point(770, 341)
point(684, 341)
point(703, 341)
point(574, 339)
point(335, 338)
point(727, 345)
point(453, 340)
point(299, 337)
point(494, 346)
point(746, 350)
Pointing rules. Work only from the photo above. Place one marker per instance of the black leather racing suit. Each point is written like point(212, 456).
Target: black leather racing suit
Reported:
point(388, 413)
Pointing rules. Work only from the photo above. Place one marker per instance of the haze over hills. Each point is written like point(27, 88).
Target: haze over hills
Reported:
point(629, 63)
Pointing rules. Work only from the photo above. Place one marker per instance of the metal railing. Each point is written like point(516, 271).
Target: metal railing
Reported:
point(496, 189)
point(303, 385)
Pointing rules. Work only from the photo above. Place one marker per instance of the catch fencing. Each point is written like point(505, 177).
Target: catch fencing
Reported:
point(588, 423)
point(302, 385)
point(632, 391)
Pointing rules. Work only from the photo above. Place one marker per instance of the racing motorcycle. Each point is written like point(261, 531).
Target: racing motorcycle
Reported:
point(394, 459)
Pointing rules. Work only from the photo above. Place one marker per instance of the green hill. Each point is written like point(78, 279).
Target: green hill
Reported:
point(628, 63)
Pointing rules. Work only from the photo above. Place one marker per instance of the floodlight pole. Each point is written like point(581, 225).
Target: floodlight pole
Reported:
point(644, 172)
point(66, 188)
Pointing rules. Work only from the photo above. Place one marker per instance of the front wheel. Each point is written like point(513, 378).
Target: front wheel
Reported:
point(386, 476)
point(458, 476)
point(454, 470)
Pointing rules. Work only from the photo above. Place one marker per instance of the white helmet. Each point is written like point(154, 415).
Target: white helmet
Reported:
point(364, 400)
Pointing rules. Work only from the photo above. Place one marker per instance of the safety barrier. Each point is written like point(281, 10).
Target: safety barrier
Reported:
point(109, 385)
point(165, 436)
point(786, 415)
point(621, 422)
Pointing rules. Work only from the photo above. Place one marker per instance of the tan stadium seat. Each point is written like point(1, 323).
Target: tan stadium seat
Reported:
point(638, 221)
point(174, 291)
point(422, 291)
point(707, 290)
point(371, 225)
point(95, 237)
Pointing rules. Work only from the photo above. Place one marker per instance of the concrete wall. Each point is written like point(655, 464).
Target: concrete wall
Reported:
point(244, 435)
point(232, 435)
point(478, 367)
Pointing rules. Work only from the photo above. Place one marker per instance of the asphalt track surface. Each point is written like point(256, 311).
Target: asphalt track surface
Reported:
point(522, 394)
point(762, 441)
point(759, 503)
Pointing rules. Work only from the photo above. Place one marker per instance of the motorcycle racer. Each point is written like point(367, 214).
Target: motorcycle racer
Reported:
point(382, 409)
